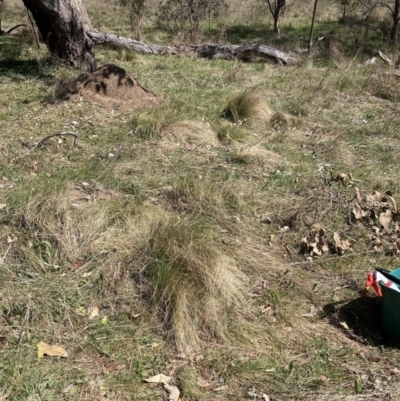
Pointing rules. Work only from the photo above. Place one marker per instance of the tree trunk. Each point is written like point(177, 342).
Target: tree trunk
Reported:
point(396, 20)
point(276, 9)
point(63, 25)
point(276, 24)
point(312, 25)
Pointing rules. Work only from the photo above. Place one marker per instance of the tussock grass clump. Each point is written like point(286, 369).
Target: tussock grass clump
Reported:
point(194, 196)
point(384, 85)
point(228, 132)
point(193, 132)
point(150, 125)
point(258, 155)
point(166, 126)
point(249, 107)
point(61, 229)
point(196, 287)
point(63, 89)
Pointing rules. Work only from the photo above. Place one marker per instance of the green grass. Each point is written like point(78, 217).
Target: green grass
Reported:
point(178, 241)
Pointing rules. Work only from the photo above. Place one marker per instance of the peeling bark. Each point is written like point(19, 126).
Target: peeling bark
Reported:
point(63, 25)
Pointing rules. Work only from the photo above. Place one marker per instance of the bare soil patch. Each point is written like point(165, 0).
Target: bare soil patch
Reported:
point(114, 88)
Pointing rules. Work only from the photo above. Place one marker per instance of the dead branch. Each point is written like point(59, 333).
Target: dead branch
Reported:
point(13, 28)
point(43, 140)
point(210, 51)
point(40, 143)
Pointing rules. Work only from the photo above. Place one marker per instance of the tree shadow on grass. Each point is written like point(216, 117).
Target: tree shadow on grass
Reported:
point(246, 33)
point(14, 65)
point(360, 319)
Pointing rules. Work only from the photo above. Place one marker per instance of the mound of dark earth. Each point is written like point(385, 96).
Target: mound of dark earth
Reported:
point(114, 88)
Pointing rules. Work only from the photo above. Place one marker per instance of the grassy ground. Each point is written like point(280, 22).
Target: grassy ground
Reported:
point(169, 240)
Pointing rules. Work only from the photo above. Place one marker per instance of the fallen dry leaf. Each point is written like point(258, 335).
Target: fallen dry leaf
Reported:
point(93, 312)
point(342, 245)
point(202, 383)
point(323, 378)
point(264, 218)
point(358, 196)
point(385, 219)
point(358, 212)
point(374, 197)
point(50, 350)
point(12, 238)
point(394, 205)
point(312, 312)
point(173, 392)
point(341, 178)
point(160, 378)
point(315, 244)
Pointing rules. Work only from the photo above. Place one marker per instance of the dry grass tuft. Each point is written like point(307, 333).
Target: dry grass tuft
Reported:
point(249, 107)
point(64, 229)
point(185, 274)
point(195, 286)
point(166, 127)
point(192, 132)
point(258, 155)
point(63, 89)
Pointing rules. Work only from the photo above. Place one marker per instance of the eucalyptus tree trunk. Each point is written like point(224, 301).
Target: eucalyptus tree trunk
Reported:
point(396, 20)
point(63, 25)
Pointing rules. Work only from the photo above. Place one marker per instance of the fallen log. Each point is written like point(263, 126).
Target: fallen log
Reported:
point(210, 51)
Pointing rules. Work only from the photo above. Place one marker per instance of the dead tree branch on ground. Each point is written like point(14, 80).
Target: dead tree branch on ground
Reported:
point(210, 51)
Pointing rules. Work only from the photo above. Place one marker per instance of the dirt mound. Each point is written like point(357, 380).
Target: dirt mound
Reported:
point(114, 88)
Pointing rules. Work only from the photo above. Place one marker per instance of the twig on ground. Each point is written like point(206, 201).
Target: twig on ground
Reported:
point(40, 143)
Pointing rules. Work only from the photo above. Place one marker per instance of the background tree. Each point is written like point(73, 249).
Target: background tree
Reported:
point(136, 9)
point(276, 8)
point(63, 25)
point(394, 10)
point(347, 6)
point(184, 17)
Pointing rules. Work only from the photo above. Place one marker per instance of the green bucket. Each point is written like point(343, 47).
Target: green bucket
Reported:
point(391, 309)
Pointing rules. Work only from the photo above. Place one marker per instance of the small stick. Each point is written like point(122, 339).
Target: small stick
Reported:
point(15, 27)
point(40, 143)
